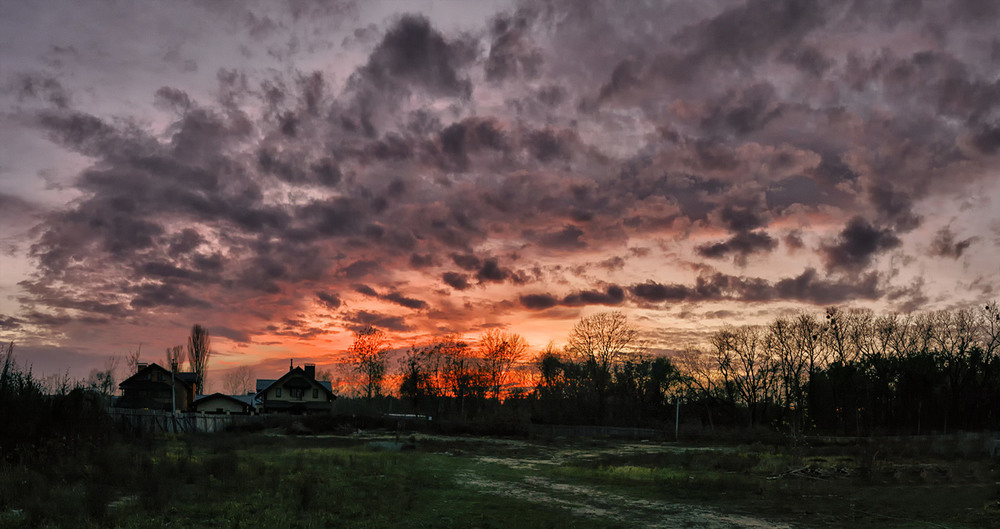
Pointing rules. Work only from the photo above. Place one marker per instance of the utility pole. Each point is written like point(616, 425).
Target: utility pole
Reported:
point(173, 388)
point(677, 420)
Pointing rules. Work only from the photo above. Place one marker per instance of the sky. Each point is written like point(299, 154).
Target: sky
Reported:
point(287, 172)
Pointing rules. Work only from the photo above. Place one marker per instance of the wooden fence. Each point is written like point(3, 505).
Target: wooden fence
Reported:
point(160, 421)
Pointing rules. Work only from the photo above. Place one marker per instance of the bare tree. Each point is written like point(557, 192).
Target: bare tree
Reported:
point(601, 342)
point(500, 351)
point(700, 377)
point(175, 358)
point(105, 380)
point(238, 380)
point(746, 365)
point(368, 356)
point(132, 360)
point(199, 349)
point(989, 319)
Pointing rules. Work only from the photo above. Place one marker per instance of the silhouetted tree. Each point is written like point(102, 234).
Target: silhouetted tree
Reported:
point(238, 380)
point(500, 351)
point(175, 358)
point(368, 356)
point(199, 349)
point(600, 342)
point(132, 361)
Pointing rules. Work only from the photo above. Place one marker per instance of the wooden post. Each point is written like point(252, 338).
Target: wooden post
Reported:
point(677, 420)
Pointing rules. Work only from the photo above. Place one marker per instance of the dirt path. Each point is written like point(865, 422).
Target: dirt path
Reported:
point(590, 502)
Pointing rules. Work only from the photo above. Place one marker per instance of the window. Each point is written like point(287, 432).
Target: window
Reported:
point(277, 392)
point(315, 393)
point(297, 393)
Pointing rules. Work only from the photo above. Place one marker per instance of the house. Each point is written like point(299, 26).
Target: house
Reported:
point(154, 387)
point(221, 403)
point(297, 391)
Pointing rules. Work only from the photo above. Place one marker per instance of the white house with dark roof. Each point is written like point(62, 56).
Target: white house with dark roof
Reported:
point(297, 391)
point(225, 404)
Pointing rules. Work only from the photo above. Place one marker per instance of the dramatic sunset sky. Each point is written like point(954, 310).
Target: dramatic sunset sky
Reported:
point(284, 172)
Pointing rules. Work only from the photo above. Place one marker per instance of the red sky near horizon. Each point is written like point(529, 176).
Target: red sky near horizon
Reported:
point(284, 173)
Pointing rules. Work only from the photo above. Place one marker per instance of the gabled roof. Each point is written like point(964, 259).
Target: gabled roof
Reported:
point(139, 377)
point(243, 400)
point(263, 384)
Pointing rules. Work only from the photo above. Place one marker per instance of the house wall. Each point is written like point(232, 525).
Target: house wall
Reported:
point(213, 406)
point(286, 395)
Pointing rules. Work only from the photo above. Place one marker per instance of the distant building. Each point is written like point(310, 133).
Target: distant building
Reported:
point(228, 404)
point(154, 387)
point(297, 391)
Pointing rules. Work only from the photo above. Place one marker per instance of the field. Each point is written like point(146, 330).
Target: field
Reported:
point(374, 480)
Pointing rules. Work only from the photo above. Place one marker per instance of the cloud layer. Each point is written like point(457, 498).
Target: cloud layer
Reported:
point(546, 159)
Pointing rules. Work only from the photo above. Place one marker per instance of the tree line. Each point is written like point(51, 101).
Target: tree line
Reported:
point(854, 372)
point(845, 371)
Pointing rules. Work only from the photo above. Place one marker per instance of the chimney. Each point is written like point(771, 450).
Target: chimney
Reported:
point(140, 366)
point(311, 371)
point(291, 366)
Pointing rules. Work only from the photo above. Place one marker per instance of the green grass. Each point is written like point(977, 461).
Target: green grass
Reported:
point(849, 488)
point(259, 480)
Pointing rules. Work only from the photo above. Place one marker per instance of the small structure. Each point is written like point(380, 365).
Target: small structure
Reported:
point(297, 391)
point(156, 388)
point(224, 404)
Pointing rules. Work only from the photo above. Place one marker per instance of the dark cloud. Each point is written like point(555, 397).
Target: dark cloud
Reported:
point(654, 292)
point(807, 287)
point(612, 295)
point(538, 301)
point(744, 110)
point(740, 246)
point(184, 242)
point(895, 206)
point(569, 237)
point(456, 280)
point(400, 299)
point(48, 89)
point(413, 53)
point(492, 272)
point(392, 297)
point(360, 319)
point(987, 139)
point(466, 261)
point(945, 244)
point(548, 145)
point(10, 323)
point(740, 218)
point(858, 243)
point(807, 59)
point(512, 54)
point(793, 240)
point(360, 268)
point(329, 300)
point(165, 295)
point(235, 335)
point(752, 30)
point(469, 137)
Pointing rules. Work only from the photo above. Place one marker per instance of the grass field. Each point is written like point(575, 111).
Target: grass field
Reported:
point(378, 480)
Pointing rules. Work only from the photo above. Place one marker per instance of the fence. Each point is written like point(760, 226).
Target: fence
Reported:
point(159, 421)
